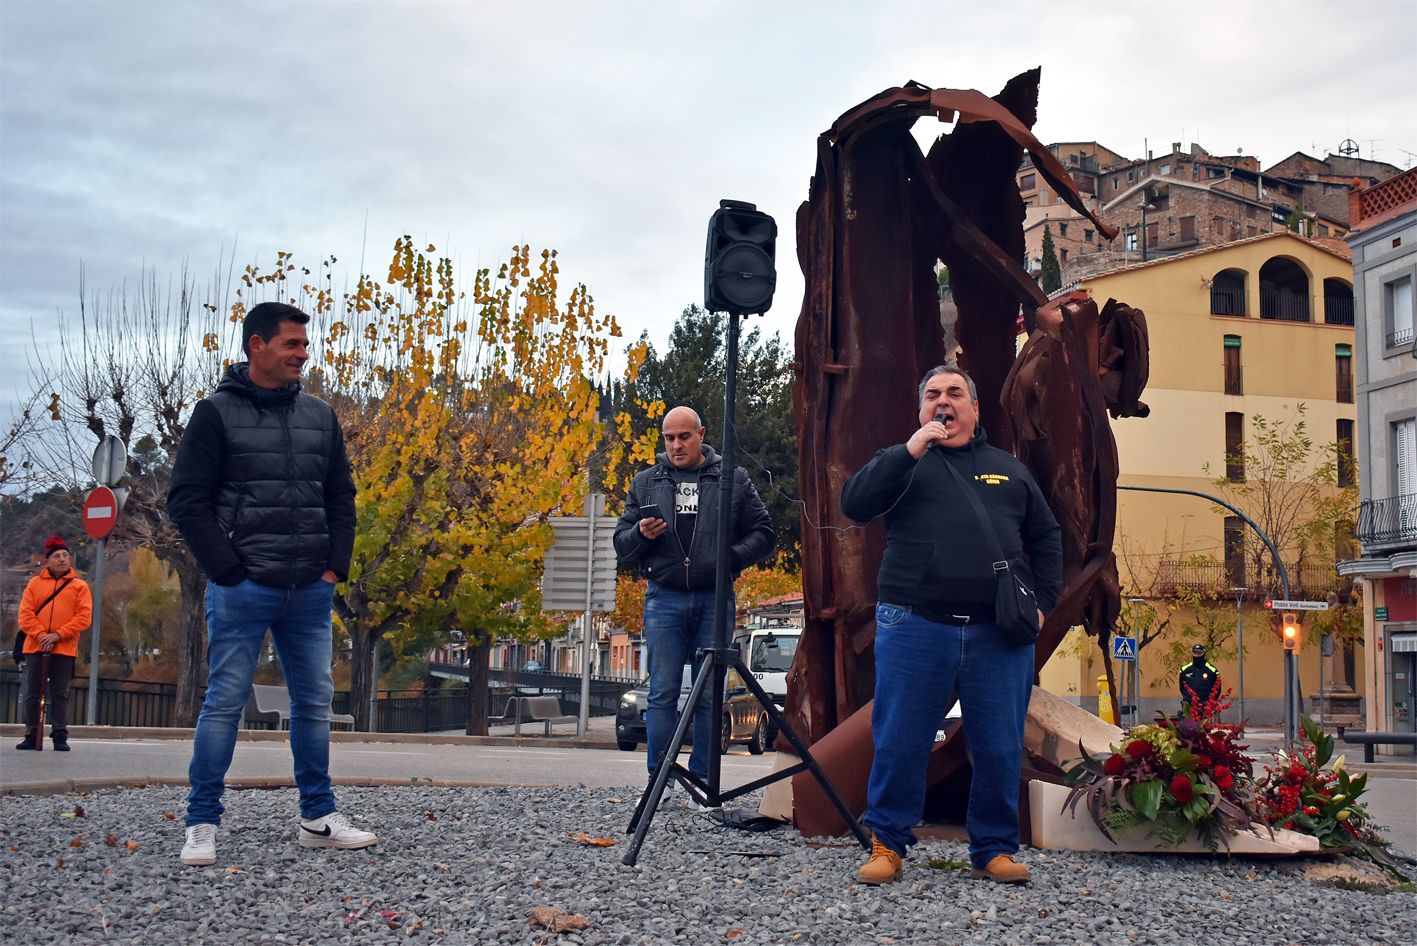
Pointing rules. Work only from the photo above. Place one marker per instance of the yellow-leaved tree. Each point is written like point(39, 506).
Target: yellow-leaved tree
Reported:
point(471, 418)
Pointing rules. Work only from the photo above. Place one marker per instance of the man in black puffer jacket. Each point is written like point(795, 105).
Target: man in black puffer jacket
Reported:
point(670, 525)
point(263, 495)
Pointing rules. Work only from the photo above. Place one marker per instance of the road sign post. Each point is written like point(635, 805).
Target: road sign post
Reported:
point(100, 518)
point(110, 461)
point(1125, 649)
point(579, 575)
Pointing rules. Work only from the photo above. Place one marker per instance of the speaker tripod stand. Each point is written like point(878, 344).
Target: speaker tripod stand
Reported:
point(738, 279)
point(717, 660)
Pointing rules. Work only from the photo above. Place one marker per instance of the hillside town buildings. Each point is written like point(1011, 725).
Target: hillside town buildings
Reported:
point(1181, 200)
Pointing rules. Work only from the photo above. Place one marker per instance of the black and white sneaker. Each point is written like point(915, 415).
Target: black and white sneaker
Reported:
point(334, 830)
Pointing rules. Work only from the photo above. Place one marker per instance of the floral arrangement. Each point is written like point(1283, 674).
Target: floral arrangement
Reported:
point(1299, 794)
point(1171, 778)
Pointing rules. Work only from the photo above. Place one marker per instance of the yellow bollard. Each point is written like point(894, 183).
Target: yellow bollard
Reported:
point(1104, 701)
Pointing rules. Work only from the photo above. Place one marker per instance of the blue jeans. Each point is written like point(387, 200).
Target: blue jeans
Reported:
point(677, 625)
point(918, 664)
point(237, 620)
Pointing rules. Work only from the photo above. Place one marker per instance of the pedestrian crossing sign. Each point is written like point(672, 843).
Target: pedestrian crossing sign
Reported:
point(1124, 648)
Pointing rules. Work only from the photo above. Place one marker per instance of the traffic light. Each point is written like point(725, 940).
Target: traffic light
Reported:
point(1290, 631)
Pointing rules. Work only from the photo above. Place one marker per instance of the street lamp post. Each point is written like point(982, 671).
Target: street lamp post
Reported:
point(1291, 714)
point(1240, 645)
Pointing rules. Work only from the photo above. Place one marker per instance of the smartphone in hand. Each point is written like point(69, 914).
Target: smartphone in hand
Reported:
point(651, 511)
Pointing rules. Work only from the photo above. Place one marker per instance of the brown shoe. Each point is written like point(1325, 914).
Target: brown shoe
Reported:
point(883, 866)
point(1002, 869)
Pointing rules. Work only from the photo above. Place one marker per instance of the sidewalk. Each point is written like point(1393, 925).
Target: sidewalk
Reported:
point(600, 734)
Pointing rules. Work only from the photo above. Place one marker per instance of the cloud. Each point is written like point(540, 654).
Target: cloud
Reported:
point(149, 133)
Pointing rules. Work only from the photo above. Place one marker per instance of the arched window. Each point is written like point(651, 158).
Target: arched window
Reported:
point(1227, 292)
point(1338, 302)
point(1284, 291)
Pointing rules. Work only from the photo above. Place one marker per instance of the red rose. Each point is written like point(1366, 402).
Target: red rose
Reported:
point(1114, 764)
point(1181, 789)
point(1203, 761)
point(1221, 771)
point(1224, 783)
point(1138, 748)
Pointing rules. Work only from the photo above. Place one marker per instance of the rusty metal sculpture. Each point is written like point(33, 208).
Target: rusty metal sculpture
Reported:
point(879, 216)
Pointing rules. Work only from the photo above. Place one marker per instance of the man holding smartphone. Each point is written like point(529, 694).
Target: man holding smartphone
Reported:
point(670, 526)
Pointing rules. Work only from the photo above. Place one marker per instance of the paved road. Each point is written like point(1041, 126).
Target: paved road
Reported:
point(166, 759)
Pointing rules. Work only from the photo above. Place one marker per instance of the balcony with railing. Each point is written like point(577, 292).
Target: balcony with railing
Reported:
point(1284, 306)
point(1338, 310)
point(1402, 336)
point(1217, 580)
point(1225, 301)
point(1388, 521)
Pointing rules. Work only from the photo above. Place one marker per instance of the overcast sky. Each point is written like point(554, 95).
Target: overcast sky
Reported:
point(153, 133)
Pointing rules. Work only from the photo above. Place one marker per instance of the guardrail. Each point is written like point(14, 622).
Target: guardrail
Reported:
point(120, 702)
point(144, 703)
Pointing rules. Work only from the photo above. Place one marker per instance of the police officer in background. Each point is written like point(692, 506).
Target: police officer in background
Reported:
point(1200, 680)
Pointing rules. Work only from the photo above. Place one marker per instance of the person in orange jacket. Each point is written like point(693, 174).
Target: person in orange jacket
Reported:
point(55, 609)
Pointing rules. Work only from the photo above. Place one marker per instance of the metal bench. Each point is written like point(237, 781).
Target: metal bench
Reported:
point(1370, 738)
point(271, 704)
point(531, 709)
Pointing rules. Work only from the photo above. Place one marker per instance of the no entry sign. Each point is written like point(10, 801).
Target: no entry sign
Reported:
point(100, 512)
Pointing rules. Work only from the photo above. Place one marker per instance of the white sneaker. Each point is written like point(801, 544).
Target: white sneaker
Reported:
point(200, 849)
point(334, 830)
point(693, 804)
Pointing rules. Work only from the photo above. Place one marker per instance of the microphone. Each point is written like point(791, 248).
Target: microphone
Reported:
point(939, 418)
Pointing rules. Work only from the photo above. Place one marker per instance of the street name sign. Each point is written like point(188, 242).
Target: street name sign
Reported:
point(1279, 604)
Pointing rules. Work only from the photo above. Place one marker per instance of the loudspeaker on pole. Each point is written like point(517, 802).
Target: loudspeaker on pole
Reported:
point(739, 270)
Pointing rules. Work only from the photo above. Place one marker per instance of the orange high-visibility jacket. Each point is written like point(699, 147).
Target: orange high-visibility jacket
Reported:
point(68, 615)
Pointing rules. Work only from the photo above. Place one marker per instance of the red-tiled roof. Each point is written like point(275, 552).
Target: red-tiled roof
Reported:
point(1332, 247)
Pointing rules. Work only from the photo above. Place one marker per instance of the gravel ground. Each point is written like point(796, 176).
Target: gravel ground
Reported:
point(462, 865)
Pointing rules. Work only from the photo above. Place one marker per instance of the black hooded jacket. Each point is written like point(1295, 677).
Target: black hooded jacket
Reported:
point(937, 559)
point(261, 487)
point(666, 560)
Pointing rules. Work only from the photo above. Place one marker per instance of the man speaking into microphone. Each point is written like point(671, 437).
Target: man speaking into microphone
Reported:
point(935, 631)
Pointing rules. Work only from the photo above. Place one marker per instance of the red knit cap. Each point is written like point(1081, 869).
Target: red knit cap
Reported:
point(54, 544)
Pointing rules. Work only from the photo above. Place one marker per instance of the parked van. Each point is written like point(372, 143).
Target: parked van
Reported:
point(768, 652)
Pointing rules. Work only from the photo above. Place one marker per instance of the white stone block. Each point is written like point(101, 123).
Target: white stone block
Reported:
point(1054, 829)
point(777, 797)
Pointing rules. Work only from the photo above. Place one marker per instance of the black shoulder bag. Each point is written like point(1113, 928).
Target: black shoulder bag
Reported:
point(1015, 607)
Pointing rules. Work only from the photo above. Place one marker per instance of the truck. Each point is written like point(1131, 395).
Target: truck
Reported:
point(768, 650)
